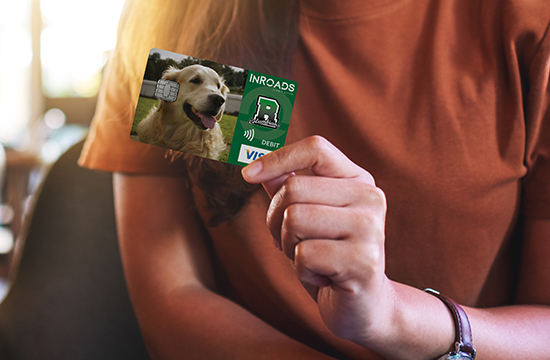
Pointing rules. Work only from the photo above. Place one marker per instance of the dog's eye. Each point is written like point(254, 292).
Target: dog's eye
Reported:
point(219, 85)
point(195, 80)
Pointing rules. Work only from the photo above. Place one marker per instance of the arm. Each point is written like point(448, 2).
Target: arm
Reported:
point(514, 332)
point(169, 276)
point(523, 330)
point(520, 331)
point(332, 226)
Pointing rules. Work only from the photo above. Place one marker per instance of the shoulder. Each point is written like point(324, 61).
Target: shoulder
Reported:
point(525, 25)
point(514, 28)
point(526, 17)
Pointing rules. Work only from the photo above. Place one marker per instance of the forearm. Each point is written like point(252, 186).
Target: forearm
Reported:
point(422, 328)
point(168, 271)
point(511, 332)
point(198, 324)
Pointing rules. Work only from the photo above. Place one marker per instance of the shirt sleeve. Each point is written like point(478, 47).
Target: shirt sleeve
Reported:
point(536, 184)
point(108, 146)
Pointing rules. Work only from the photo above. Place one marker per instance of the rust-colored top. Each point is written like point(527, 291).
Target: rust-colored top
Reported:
point(446, 103)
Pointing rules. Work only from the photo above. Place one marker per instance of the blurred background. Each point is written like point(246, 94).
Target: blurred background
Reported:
point(52, 53)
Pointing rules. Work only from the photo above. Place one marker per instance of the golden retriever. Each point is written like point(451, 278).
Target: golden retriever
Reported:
point(189, 124)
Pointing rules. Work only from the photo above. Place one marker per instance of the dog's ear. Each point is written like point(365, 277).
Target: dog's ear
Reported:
point(224, 90)
point(171, 74)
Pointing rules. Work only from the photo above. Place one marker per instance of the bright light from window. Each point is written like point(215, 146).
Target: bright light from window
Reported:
point(75, 41)
point(54, 118)
point(14, 12)
point(6, 241)
point(16, 50)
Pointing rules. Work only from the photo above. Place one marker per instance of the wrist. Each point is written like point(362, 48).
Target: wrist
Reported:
point(383, 328)
point(416, 325)
point(463, 346)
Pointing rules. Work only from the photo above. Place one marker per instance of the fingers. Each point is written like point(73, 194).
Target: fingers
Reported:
point(321, 191)
point(326, 262)
point(330, 224)
point(314, 153)
point(303, 222)
point(272, 186)
point(315, 272)
point(328, 191)
point(329, 228)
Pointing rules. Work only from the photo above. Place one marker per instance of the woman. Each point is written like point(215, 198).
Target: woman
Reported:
point(442, 111)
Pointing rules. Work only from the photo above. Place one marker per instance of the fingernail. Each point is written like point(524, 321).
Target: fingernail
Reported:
point(252, 169)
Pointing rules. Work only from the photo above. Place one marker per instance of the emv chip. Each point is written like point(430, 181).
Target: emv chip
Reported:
point(167, 90)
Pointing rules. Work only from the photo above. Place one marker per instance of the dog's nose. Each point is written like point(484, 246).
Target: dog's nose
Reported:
point(216, 100)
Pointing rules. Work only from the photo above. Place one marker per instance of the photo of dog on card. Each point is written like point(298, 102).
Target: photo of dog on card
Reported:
point(182, 104)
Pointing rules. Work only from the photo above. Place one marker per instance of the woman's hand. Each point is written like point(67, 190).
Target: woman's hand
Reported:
point(331, 225)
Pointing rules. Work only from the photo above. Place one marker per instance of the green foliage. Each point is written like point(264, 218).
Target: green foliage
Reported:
point(227, 123)
point(223, 156)
point(234, 79)
point(143, 107)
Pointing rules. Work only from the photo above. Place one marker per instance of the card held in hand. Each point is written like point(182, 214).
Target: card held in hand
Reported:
point(208, 109)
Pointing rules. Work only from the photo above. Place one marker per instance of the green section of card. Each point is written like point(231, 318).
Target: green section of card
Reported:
point(264, 117)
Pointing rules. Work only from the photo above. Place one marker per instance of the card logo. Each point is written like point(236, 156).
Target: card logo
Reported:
point(267, 113)
point(269, 82)
point(248, 153)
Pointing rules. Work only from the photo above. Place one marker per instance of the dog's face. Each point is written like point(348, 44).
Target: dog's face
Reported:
point(201, 97)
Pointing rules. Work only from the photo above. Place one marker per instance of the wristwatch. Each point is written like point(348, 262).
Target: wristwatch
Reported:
point(464, 347)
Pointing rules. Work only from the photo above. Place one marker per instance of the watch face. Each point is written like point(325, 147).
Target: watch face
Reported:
point(454, 356)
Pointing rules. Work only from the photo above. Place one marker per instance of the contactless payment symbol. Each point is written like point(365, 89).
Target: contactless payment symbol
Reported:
point(249, 134)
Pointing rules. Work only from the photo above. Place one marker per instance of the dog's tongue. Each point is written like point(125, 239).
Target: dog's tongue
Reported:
point(207, 120)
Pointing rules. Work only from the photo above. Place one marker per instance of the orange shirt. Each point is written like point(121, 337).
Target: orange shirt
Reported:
point(446, 103)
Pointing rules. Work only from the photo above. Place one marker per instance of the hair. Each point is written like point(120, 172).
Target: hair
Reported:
point(258, 35)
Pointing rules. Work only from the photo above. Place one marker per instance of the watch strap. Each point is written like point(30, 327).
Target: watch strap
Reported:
point(464, 344)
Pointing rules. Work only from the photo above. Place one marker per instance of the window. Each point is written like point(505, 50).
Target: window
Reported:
point(75, 40)
point(15, 68)
point(50, 49)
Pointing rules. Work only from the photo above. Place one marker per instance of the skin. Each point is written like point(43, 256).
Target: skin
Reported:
point(169, 276)
point(320, 221)
point(323, 221)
